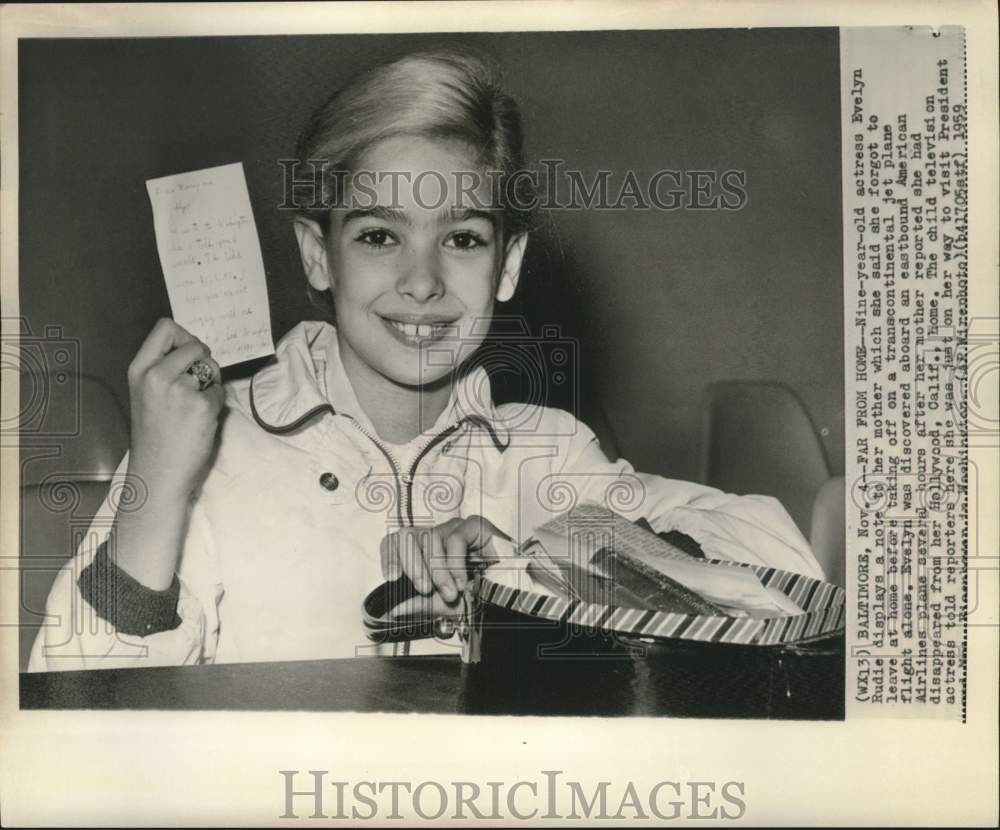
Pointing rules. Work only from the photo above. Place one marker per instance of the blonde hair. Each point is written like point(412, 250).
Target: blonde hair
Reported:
point(437, 93)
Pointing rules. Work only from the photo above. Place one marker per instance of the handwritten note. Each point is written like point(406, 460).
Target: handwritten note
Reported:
point(211, 260)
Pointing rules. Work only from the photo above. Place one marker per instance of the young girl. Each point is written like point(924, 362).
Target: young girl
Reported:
point(251, 520)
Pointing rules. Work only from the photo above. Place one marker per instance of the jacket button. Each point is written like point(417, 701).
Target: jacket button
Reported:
point(328, 481)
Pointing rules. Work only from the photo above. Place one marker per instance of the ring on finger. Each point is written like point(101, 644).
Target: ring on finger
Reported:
point(203, 373)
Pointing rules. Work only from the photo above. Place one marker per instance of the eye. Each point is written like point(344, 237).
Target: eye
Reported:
point(465, 241)
point(376, 238)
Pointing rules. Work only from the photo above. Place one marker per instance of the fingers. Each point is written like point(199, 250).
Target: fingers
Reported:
point(163, 338)
point(169, 350)
point(191, 380)
point(216, 395)
point(412, 559)
point(469, 543)
point(456, 559)
point(402, 553)
point(476, 532)
point(434, 605)
point(440, 570)
point(176, 363)
point(420, 553)
point(392, 569)
point(437, 559)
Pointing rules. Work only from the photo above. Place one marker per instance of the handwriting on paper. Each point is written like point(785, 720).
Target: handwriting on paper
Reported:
point(211, 260)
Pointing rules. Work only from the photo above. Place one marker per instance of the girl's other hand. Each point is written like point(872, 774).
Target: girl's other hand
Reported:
point(173, 423)
point(436, 560)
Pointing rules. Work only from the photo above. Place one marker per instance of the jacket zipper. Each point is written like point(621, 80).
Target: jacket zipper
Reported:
point(404, 482)
point(408, 481)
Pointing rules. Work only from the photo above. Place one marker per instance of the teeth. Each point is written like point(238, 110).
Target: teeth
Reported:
point(414, 329)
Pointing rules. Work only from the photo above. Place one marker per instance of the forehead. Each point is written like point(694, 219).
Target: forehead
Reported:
point(415, 174)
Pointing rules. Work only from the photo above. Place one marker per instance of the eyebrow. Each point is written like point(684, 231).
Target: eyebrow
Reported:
point(385, 214)
point(389, 214)
point(464, 214)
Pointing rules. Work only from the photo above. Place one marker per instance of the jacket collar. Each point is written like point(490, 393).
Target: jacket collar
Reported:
point(306, 379)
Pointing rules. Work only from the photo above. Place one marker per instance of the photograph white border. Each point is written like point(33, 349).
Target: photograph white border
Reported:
point(205, 769)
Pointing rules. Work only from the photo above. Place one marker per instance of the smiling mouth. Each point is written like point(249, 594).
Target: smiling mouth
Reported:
point(416, 333)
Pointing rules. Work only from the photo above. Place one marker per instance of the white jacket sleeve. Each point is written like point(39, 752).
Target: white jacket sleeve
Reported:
point(752, 529)
point(74, 636)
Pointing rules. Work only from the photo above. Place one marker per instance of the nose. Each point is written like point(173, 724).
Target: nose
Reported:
point(422, 281)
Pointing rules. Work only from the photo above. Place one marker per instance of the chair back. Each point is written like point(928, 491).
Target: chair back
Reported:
point(828, 533)
point(71, 443)
point(760, 439)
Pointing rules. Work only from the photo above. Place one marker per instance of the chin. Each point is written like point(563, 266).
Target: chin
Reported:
point(411, 376)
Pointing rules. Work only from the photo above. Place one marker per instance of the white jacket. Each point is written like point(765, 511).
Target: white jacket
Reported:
point(283, 540)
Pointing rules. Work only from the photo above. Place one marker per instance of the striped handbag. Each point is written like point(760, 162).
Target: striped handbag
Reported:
point(534, 651)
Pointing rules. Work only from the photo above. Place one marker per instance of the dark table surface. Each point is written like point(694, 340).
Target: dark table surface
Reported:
point(629, 686)
point(365, 684)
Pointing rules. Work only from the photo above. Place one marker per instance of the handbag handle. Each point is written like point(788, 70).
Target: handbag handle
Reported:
point(381, 627)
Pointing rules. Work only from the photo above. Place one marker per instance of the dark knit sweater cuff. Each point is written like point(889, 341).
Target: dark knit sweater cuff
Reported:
point(126, 603)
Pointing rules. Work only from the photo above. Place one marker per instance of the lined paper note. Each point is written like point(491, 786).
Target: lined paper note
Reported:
point(211, 260)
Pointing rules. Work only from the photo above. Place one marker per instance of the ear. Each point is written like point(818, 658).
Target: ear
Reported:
point(511, 271)
point(313, 252)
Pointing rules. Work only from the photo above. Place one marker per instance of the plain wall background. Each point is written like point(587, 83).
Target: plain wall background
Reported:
point(663, 302)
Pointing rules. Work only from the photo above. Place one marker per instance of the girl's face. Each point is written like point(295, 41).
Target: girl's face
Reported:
point(414, 271)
